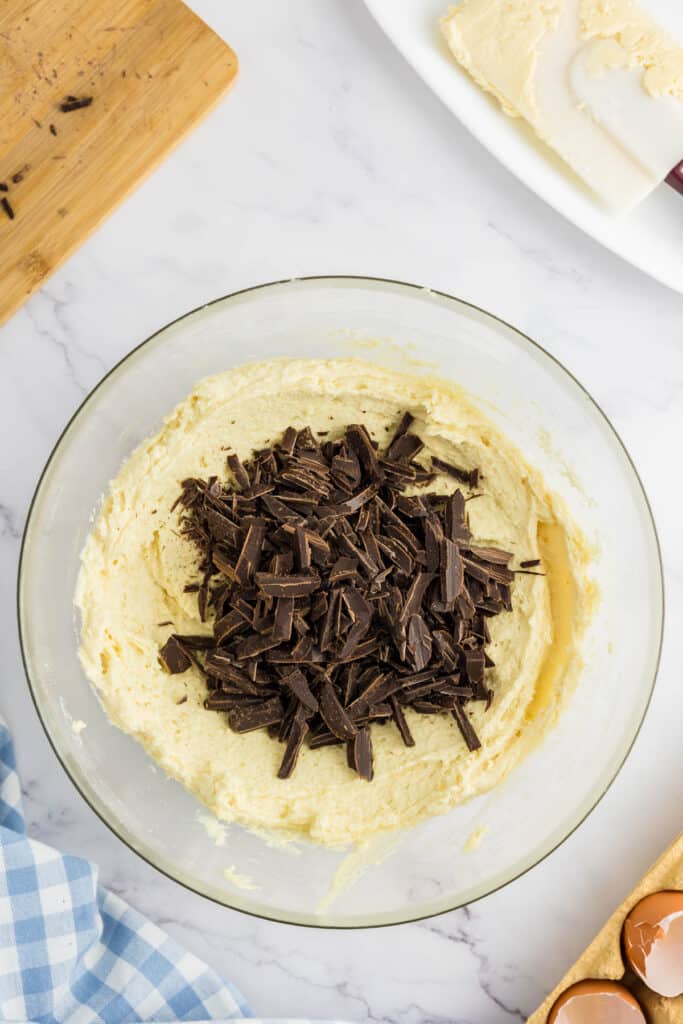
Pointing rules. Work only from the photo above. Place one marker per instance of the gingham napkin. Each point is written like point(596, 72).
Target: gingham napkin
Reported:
point(73, 953)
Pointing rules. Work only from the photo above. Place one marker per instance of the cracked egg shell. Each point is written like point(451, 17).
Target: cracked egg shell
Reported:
point(653, 942)
point(596, 1002)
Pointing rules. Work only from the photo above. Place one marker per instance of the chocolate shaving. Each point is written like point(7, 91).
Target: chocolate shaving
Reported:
point(465, 476)
point(360, 754)
point(297, 735)
point(256, 716)
point(466, 728)
point(333, 714)
point(402, 724)
point(7, 207)
point(272, 585)
point(338, 602)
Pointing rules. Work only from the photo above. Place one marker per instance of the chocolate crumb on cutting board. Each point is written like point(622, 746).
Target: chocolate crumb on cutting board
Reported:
point(74, 103)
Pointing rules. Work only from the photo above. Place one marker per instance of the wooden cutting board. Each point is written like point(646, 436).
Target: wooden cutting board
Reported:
point(150, 68)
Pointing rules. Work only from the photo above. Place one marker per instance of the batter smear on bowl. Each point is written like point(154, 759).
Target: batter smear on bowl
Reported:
point(331, 599)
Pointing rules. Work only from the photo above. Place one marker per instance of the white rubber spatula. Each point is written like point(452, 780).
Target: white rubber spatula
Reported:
point(621, 140)
point(545, 63)
point(648, 129)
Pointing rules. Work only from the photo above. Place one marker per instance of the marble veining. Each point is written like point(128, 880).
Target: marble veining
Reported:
point(331, 156)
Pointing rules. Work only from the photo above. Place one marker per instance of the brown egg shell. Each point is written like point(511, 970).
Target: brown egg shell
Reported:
point(602, 1002)
point(653, 942)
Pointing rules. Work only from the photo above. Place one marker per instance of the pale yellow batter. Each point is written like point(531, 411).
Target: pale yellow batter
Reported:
point(135, 565)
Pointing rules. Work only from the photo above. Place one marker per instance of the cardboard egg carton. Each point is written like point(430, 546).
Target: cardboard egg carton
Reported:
point(603, 958)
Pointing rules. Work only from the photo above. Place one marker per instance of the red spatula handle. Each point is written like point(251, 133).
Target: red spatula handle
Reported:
point(675, 178)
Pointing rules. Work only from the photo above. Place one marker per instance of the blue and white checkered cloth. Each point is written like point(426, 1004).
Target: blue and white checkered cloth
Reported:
point(73, 953)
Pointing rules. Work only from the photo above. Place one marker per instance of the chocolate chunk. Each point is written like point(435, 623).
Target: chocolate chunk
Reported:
point(257, 643)
point(466, 728)
point(343, 569)
point(297, 735)
point(222, 528)
point(286, 586)
point(474, 667)
point(451, 568)
point(296, 682)
point(284, 618)
point(335, 717)
point(401, 723)
point(433, 533)
point(250, 555)
point(405, 447)
point(359, 441)
point(455, 526)
point(220, 666)
point(360, 754)
point(419, 643)
point(238, 471)
point(257, 716)
point(288, 440)
point(398, 554)
point(173, 656)
point(412, 506)
point(404, 425)
point(199, 642)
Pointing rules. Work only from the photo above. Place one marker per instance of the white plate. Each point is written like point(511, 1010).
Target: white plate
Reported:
point(650, 237)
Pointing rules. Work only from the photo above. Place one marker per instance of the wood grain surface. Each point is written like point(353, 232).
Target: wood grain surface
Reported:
point(152, 68)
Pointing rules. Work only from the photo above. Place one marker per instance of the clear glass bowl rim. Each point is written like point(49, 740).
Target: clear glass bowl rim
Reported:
point(371, 282)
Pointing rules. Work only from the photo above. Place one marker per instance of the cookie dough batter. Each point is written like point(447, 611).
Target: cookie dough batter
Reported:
point(136, 564)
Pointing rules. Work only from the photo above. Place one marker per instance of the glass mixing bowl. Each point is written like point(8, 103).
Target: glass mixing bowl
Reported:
point(560, 430)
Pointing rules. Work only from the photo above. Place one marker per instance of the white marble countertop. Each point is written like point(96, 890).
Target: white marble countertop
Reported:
point(331, 156)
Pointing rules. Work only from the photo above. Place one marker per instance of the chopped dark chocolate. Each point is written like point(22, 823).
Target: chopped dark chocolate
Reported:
point(7, 207)
point(337, 600)
point(173, 656)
